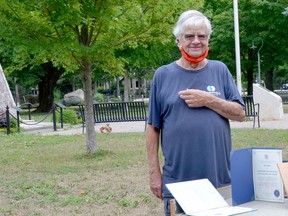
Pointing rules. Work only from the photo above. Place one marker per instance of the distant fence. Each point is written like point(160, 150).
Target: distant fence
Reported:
point(283, 94)
point(6, 117)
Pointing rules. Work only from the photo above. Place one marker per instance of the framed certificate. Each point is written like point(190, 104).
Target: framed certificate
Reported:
point(268, 185)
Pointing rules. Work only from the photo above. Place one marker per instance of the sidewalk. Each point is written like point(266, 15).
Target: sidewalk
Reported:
point(132, 127)
point(46, 128)
point(274, 124)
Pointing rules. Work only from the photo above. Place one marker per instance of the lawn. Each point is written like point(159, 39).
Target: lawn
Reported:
point(52, 175)
point(285, 108)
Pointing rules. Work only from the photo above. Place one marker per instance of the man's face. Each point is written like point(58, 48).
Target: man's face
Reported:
point(194, 41)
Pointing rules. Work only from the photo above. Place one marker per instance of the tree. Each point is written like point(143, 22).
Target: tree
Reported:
point(144, 59)
point(269, 22)
point(47, 84)
point(26, 56)
point(257, 18)
point(82, 35)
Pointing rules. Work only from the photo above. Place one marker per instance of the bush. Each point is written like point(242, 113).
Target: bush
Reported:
point(57, 95)
point(70, 116)
point(99, 97)
point(115, 99)
point(13, 125)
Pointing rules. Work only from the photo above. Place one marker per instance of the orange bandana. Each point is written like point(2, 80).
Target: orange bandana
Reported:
point(194, 60)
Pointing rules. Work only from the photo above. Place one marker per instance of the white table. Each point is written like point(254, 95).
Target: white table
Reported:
point(267, 208)
point(262, 208)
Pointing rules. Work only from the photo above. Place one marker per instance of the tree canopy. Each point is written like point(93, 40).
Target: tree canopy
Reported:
point(257, 18)
point(82, 36)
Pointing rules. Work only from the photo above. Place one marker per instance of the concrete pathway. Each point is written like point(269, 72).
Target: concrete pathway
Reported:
point(274, 124)
point(117, 127)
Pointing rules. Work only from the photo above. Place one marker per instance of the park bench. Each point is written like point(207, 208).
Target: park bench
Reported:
point(283, 94)
point(116, 112)
point(251, 109)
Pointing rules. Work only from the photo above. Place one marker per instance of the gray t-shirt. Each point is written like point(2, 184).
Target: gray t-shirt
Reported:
point(196, 142)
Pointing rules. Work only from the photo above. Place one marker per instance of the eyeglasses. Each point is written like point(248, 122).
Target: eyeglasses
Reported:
point(191, 37)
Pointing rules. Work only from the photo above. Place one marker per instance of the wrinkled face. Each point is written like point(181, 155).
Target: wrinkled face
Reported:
point(194, 41)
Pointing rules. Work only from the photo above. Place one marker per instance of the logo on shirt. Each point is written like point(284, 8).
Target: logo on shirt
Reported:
point(212, 90)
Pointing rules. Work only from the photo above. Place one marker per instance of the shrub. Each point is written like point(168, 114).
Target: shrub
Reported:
point(70, 116)
point(99, 97)
point(13, 125)
point(115, 99)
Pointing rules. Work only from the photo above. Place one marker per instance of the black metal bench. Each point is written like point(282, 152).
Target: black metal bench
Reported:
point(117, 112)
point(251, 109)
point(283, 94)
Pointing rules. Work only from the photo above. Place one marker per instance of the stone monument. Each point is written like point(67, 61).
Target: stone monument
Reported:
point(6, 98)
point(74, 98)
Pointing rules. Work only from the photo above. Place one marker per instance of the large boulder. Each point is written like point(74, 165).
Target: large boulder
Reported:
point(74, 98)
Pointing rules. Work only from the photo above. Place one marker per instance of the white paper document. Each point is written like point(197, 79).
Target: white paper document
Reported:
point(200, 197)
point(268, 185)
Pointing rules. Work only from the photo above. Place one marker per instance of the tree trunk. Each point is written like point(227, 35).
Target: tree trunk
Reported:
point(250, 77)
point(250, 81)
point(269, 80)
point(89, 115)
point(46, 86)
point(126, 86)
point(118, 87)
point(17, 97)
point(94, 89)
point(73, 84)
point(140, 87)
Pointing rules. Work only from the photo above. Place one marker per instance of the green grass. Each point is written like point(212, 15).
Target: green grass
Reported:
point(285, 108)
point(36, 116)
point(53, 175)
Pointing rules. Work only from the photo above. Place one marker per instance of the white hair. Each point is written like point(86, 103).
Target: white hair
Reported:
point(192, 19)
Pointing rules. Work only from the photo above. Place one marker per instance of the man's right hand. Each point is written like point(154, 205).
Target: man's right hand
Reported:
point(156, 184)
point(152, 143)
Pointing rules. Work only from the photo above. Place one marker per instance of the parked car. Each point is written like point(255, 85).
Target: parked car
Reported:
point(285, 86)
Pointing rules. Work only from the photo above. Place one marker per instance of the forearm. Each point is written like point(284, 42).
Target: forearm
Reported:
point(152, 141)
point(152, 145)
point(228, 109)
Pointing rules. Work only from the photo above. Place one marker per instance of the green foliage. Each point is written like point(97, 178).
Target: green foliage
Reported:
point(128, 203)
point(99, 97)
point(66, 32)
point(257, 18)
point(13, 126)
point(285, 108)
point(69, 116)
point(104, 91)
point(13, 123)
point(82, 36)
point(57, 95)
point(115, 99)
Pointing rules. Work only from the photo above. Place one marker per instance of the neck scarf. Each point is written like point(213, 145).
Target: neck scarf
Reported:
point(194, 60)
